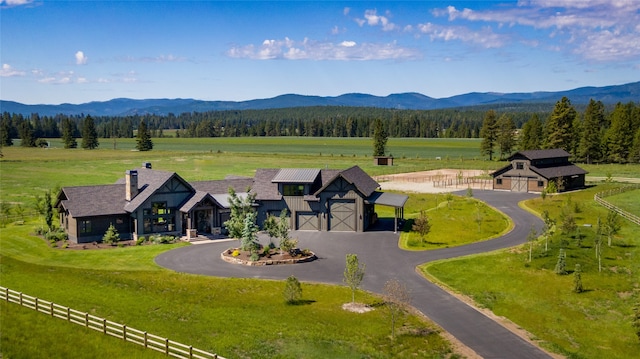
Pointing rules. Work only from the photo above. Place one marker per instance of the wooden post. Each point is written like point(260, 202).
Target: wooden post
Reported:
point(36, 301)
point(104, 326)
point(190, 352)
point(145, 339)
point(6, 294)
point(51, 308)
point(20, 295)
point(166, 346)
point(86, 319)
point(124, 333)
point(68, 314)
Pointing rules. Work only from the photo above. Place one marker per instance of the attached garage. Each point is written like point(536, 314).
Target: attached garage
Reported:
point(307, 221)
point(342, 215)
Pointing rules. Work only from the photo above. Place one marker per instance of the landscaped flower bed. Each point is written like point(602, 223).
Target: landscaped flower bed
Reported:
point(267, 256)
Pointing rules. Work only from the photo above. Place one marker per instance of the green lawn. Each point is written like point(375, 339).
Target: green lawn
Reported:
point(592, 324)
point(629, 201)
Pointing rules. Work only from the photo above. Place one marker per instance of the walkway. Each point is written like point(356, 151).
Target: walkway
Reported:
point(379, 251)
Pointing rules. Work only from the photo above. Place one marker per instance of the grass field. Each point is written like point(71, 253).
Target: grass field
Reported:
point(592, 324)
point(629, 201)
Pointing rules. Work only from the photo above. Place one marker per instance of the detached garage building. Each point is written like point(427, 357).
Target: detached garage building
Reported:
point(531, 171)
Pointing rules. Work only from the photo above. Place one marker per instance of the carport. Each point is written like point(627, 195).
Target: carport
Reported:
point(394, 200)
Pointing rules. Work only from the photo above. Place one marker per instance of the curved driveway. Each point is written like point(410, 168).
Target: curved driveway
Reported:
point(379, 250)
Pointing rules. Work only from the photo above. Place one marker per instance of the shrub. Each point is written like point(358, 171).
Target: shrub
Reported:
point(235, 253)
point(111, 236)
point(254, 257)
point(141, 240)
point(288, 244)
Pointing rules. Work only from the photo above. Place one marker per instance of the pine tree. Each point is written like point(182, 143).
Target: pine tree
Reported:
point(561, 264)
point(577, 279)
point(143, 139)
point(590, 146)
point(111, 236)
point(620, 133)
point(531, 134)
point(68, 130)
point(634, 155)
point(559, 127)
point(5, 131)
point(506, 135)
point(489, 134)
point(292, 290)
point(89, 134)
point(27, 138)
point(380, 137)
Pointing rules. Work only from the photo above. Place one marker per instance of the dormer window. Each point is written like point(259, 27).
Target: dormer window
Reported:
point(519, 165)
point(293, 189)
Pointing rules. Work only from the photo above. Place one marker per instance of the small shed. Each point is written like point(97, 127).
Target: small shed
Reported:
point(383, 160)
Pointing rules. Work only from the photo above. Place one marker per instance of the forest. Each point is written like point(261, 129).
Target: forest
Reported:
point(611, 133)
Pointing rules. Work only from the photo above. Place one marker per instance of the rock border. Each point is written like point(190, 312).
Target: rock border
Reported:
point(267, 262)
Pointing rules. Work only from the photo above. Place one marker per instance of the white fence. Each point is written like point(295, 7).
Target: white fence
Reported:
point(598, 197)
point(107, 327)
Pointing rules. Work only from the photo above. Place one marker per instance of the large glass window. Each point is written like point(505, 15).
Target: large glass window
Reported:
point(158, 218)
point(85, 226)
point(293, 189)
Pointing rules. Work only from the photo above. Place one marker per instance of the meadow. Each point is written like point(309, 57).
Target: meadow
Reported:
point(593, 324)
point(248, 318)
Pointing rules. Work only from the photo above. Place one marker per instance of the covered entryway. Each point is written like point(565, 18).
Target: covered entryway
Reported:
point(395, 200)
point(519, 184)
point(307, 221)
point(342, 215)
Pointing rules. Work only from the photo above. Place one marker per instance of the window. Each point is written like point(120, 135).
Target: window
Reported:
point(158, 218)
point(85, 226)
point(540, 183)
point(519, 165)
point(293, 190)
point(498, 180)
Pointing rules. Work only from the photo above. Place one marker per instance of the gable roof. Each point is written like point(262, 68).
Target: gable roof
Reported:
point(149, 181)
point(542, 154)
point(296, 175)
point(558, 171)
point(356, 176)
point(105, 200)
point(263, 188)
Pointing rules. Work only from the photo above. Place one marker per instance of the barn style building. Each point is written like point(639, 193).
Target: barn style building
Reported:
point(531, 171)
point(148, 202)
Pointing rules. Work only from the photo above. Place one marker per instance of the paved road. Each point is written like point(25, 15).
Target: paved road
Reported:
point(379, 250)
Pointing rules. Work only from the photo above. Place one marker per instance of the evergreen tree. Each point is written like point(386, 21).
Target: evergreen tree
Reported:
point(48, 210)
point(561, 264)
point(292, 290)
point(111, 236)
point(143, 139)
point(559, 127)
point(506, 135)
point(634, 154)
point(489, 134)
point(620, 133)
point(531, 134)
point(421, 225)
point(89, 134)
point(577, 279)
point(590, 146)
point(380, 137)
point(68, 131)
point(26, 134)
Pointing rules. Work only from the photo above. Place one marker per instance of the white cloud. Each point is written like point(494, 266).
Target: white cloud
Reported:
point(288, 49)
point(81, 59)
point(373, 19)
point(485, 38)
point(8, 71)
point(346, 11)
point(12, 3)
point(595, 30)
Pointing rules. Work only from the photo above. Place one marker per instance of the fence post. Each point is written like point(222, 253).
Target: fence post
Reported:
point(36, 301)
point(6, 294)
point(86, 319)
point(20, 295)
point(68, 314)
point(145, 339)
point(166, 346)
point(51, 308)
point(104, 326)
point(124, 333)
point(190, 352)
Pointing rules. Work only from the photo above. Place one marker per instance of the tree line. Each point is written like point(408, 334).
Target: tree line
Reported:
point(593, 136)
point(595, 133)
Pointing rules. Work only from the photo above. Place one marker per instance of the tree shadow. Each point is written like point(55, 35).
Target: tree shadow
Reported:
point(301, 302)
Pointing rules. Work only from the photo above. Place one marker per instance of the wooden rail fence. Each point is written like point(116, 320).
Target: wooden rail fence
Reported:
point(107, 327)
point(598, 197)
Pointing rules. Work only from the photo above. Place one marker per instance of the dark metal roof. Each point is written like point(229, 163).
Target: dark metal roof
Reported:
point(388, 199)
point(296, 175)
point(356, 176)
point(542, 154)
point(558, 171)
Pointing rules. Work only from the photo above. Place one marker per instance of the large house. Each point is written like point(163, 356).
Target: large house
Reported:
point(148, 202)
point(531, 171)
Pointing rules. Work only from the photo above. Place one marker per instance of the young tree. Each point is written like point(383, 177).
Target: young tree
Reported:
point(68, 129)
point(559, 128)
point(549, 228)
point(89, 134)
point(270, 225)
point(380, 137)
point(489, 134)
point(48, 210)
point(249, 231)
point(611, 226)
point(292, 290)
point(353, 274)
point(506, 135)
point(531, 238)
point(143, 139)
point(396, 298)
point(561, 264)
point(421, 225)
point(111, 236)
point(240, 207)
point(598, 243)
point(577, 279)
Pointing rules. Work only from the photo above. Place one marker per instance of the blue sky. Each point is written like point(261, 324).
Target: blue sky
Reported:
point(55, 52)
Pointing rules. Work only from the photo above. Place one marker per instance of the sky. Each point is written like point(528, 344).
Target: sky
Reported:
point(54, 52)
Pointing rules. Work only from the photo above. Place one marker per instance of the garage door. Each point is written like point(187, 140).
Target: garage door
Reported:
point(307, 221)
point(342, 215)
point(519, 184)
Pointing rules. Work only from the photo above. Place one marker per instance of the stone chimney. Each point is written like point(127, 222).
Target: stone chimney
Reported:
point(131, 180)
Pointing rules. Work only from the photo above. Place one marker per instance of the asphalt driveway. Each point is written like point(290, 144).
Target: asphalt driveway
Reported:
point(378, 249)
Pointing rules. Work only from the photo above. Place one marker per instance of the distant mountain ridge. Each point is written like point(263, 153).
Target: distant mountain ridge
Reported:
point(409, 101)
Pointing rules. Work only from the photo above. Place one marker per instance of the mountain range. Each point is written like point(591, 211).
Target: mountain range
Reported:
point(410, 101)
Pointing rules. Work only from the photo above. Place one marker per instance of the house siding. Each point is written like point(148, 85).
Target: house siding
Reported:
point(99, 226)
